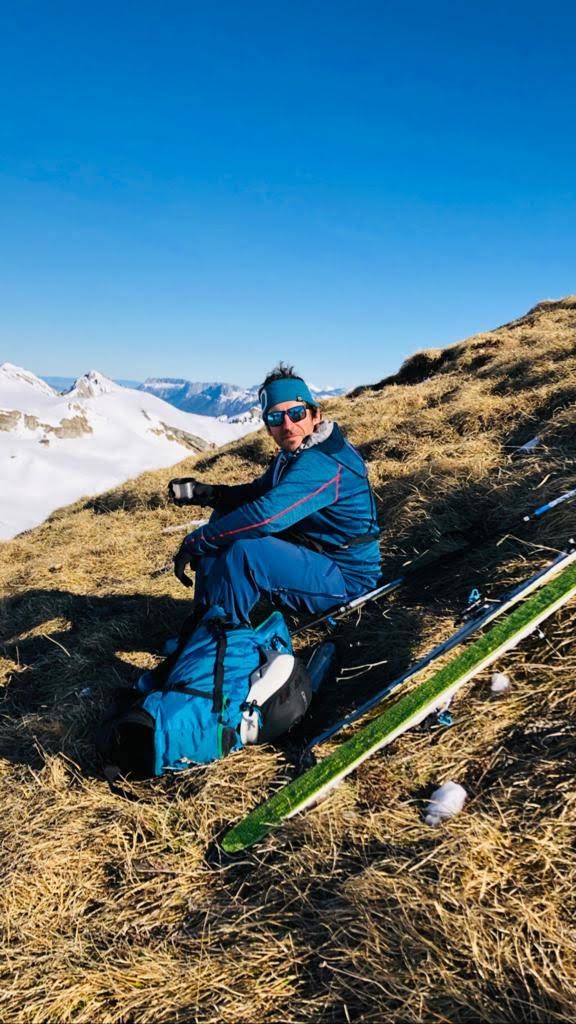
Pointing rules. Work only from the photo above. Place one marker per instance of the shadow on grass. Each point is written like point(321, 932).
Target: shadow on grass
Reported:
point(66, 653)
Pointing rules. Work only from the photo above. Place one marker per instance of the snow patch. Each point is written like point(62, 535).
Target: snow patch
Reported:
point(500, 682)
point(15, 378)
point(445, 802)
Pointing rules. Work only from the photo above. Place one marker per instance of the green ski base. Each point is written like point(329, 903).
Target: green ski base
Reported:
point(401, 716)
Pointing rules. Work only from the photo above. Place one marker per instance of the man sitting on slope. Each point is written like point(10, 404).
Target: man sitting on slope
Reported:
point(304, 533)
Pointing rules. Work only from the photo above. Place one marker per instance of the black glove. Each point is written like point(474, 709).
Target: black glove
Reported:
point(185, 490)
point(182, 560)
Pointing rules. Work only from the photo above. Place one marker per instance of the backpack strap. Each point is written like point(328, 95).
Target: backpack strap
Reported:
point(181, 687)
point(219, 667)
point(324, 547)
point(162, 672)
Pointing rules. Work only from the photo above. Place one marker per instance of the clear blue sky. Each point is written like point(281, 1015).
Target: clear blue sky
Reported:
point(198, 193)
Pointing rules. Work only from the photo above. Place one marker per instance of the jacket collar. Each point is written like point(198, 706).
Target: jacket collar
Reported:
point(321, 433)
point(325, 430)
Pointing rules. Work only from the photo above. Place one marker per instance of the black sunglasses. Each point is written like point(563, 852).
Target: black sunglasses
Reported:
point(276, 418)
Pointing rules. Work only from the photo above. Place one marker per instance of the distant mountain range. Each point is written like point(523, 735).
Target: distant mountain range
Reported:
point(57, 447)
point(230, 401)
point(206, 399)
point(216, 398)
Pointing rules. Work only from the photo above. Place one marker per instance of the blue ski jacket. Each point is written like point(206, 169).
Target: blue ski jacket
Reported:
point(318, 496)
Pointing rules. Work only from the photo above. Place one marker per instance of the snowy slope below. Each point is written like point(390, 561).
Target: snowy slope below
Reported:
point(55, 449)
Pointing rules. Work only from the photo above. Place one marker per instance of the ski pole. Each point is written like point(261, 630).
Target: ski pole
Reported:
point(485, 615)
point(357, 602)
point(568, 496)
point(416, 566)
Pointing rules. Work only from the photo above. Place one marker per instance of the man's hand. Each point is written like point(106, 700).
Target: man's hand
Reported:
point(185, 490)
point(182, 559)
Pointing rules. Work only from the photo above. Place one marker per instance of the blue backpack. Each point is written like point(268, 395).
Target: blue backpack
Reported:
point(193, 708)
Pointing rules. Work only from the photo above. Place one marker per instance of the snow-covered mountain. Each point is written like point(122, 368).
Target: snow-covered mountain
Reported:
point(216, 398)
point(55, 448)
point(66, 383)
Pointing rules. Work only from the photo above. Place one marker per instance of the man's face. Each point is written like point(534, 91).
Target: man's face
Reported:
point(289, 435)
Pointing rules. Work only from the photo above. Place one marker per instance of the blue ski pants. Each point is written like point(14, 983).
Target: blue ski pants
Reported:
point(302, 580)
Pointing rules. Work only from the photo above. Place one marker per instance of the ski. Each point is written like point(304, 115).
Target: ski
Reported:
point(423, 563)
point(482, 617)
point(405, 713)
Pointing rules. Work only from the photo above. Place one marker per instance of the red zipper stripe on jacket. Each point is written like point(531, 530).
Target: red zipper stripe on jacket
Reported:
point(253, 526)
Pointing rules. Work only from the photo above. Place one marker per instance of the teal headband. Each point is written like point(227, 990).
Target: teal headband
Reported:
point(285, 389)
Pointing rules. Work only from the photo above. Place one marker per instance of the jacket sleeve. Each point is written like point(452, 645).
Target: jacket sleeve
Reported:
point(231, 496)
point(301, 491)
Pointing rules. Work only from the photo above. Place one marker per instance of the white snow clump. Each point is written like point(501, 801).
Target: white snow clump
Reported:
point(445, 802)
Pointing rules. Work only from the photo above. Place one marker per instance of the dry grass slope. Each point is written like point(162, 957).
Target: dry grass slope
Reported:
point(117, 909)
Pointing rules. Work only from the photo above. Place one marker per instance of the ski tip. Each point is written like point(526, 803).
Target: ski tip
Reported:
point(231, 844)
point(241, 837)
